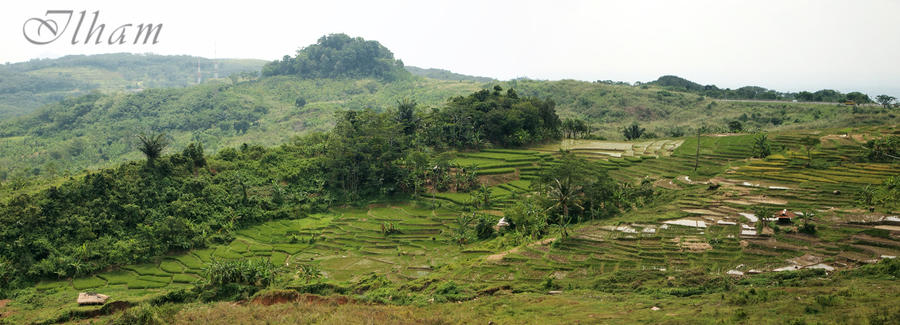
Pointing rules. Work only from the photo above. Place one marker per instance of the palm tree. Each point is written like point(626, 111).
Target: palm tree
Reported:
point(152, 146)
point(565, 196)
point(481, 199)
point(633, 132)
point(310, 272)
point(809, 143)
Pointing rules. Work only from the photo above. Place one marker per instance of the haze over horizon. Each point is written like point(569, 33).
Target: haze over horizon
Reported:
point(780, 45)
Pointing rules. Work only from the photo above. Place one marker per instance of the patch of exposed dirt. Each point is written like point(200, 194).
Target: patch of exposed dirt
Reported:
point(891, 228)
point(491, 180)
point(765, 200)
point(3, 312)
point(642, 113)
point(806, 260)
point(667, 184)
point(692, 243)
point(739, 202)
point(688, 180)
point(499, 256)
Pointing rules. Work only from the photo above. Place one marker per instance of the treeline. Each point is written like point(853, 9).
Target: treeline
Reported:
point(340, 56)
point(758, 93)
point(491, 116)
point(138, 210)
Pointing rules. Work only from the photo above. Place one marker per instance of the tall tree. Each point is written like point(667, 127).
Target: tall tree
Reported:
point(634, 131)
point(885, 100)
point(809, 143)
point(152, 146)
point(761, 147)
point(406, 115)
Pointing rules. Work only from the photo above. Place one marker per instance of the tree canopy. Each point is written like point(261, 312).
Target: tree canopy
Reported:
point(340, 56)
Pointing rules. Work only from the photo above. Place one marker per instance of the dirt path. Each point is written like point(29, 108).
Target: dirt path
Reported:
point(499, 256)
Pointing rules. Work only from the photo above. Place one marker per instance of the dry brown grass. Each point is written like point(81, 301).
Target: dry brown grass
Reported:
point(302, 313)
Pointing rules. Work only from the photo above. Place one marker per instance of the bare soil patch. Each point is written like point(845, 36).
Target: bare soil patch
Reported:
point(739, 202)
point(692, 243)
point(891, 228)
point(807, 260)
point(491, 180)
point(765, 200)
point(667, 184)
point(499, 256)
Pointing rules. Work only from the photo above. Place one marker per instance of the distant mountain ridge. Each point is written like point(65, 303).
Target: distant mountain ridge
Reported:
point(755, 92)
point(25, 86)
point(442, 74)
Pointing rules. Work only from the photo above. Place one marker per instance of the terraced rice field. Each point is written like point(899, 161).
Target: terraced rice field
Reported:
point(709, 222)
point(345, 243)
point(703, 220)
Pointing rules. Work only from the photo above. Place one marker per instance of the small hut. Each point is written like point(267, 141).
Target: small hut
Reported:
point(91, 298)
point(501, 224)
point(784, 216)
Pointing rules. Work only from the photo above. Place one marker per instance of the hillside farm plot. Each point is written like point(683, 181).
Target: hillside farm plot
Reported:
point(345, 243)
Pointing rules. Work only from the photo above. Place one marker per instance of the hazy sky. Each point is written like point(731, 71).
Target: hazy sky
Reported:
point(785, 45)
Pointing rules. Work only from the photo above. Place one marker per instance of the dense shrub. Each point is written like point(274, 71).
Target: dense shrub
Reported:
point(255, 272)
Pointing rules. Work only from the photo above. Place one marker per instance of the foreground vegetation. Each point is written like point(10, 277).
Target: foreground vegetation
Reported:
point(419, 256)
point(484, 206)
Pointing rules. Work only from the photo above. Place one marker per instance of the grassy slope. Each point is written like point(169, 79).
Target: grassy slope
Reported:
point(102, 140)
point(105, 137)
point(607, 274)
point(610, 108)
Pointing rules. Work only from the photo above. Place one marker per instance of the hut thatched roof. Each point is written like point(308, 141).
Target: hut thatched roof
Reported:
point(90, 298)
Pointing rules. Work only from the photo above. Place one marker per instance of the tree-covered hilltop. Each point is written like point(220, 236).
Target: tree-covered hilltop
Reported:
point(757, 93)
point(493, 116)
point(26, 86)
point(340, 56)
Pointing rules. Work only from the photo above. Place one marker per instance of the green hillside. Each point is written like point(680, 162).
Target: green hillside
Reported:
point(99, 130)
point(26, 86)
point(339, 186)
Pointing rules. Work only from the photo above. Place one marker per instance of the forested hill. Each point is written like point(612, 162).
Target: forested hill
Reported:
point(28, 85)
point(340, 56)
point(758, 93)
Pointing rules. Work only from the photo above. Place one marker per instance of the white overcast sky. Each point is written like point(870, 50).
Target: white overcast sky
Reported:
point(785, 45)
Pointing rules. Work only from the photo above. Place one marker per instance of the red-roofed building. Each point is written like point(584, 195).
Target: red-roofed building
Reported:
point(784, 216)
